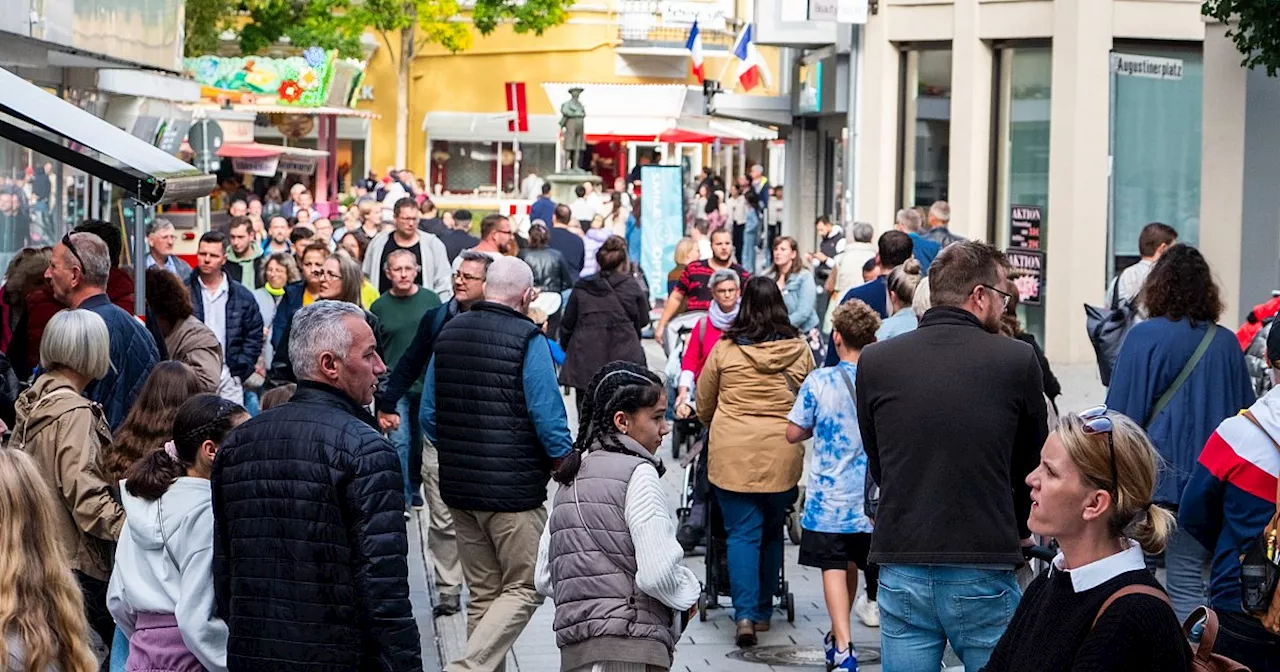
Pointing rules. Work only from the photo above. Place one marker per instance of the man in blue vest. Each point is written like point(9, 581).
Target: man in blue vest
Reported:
point(492, 407)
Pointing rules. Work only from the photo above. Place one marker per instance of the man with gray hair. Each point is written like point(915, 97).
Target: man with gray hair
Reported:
point(922, 248)
point(310, 550)
point(492, 407)
point(939, 220)
point(77, 276)
point(160, 238)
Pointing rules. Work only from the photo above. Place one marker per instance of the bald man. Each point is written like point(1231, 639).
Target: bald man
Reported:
point(496, 453)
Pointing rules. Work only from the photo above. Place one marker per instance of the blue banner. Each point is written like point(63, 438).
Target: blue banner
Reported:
point(661, 223)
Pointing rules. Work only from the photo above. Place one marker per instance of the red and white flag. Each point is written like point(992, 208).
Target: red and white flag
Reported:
point(694, 45)
point(750, 65)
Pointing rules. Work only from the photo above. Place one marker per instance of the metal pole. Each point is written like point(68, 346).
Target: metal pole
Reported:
point(851, 126)
point(139, 260)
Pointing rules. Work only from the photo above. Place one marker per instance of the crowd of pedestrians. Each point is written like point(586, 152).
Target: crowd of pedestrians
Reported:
point(226, 484)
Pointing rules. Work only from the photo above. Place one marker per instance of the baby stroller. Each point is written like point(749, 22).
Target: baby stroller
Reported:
point(716, 582)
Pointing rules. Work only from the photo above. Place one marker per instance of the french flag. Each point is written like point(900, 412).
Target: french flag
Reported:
point(694, 45)
point(749, 63)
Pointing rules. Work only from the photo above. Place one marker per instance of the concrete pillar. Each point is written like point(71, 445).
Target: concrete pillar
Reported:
point(1078, 173)
point(969, 169)
point(878, 145)
point(1222, 166)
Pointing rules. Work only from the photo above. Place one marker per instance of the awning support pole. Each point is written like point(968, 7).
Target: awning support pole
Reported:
point(139, 260)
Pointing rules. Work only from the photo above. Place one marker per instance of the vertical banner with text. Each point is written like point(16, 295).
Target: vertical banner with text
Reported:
point(661, 224)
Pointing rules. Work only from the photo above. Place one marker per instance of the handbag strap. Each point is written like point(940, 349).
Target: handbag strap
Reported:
point(1184, 374)
point(848, 383)
point(1132, 589)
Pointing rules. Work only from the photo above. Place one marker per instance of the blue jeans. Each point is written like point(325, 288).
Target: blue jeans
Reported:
point(119, 651)
point(924, 606)
point(753, 523)
point(1186, 565)
point(747, 255)
point(408, 442)
point(253, 403)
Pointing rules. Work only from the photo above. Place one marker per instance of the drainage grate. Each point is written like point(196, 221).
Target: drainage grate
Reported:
point(797, 656)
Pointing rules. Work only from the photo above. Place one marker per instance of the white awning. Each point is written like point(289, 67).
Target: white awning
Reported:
point(488, 127)
point(623, 100)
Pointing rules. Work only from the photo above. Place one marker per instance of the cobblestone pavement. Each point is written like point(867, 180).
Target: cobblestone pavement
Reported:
point(709, 645)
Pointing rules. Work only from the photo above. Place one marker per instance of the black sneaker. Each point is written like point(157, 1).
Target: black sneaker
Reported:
point(418, 502)
point(448, 605)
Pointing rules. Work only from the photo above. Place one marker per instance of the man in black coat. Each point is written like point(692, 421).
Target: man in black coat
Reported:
point(952, 416)
point(230, 311)
point(309, 559)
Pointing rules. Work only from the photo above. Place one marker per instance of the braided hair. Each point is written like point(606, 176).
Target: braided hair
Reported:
point(618, 386)
point(204, 417)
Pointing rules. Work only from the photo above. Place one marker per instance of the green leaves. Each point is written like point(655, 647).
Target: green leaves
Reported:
point(1255, 32)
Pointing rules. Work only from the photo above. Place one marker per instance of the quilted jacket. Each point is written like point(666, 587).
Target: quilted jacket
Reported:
point(309, 565)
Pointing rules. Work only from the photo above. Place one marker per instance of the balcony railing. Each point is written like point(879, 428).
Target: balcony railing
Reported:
point(666, 24)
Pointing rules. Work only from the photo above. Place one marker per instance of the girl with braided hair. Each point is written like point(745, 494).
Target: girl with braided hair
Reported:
point(161, 592)
point(608, 555)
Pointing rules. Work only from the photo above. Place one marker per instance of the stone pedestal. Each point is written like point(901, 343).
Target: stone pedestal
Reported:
point(564, 184)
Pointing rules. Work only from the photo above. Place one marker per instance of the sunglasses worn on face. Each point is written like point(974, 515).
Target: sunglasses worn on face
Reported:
point(1096, 422)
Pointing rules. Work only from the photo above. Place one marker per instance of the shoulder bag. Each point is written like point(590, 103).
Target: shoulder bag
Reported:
point(1259, 573)
point(1203, 658)
point(870, 491)
point(1183, 375)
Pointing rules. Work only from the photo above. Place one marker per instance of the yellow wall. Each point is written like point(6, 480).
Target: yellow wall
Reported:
point(472, 81)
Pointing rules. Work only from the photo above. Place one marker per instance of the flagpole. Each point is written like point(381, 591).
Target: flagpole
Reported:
point(728, 61)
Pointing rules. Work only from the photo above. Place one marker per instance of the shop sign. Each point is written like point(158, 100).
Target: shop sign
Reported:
point(838, 11)
point(662, 217)
point(709, 16)
point(1151, 67)
point(1024, 226)
point(810, 99)
point(1028, 267)
point(264, 166)
point(295, 80)
point(300, 165)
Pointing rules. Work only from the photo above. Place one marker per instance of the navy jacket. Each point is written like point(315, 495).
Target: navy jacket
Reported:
point(290, 304)
point(1153, 353)
point(543, 208)
point(875, 295)
point(133, 353)
point(244, 324)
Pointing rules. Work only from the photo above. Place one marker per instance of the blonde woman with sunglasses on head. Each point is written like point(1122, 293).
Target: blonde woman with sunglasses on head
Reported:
point(1092, 492)
point(42, 619)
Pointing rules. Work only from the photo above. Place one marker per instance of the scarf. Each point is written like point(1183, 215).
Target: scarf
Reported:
point(273, 291)
point(720, 319)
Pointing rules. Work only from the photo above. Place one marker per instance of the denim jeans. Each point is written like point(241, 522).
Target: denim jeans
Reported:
point(924, 606)
point(747, 253)
point(253, 402)
point(408, 442)
point(753, 524)
point(1186, 565)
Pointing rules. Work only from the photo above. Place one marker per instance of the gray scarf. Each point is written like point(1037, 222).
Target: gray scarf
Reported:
point(720, 319)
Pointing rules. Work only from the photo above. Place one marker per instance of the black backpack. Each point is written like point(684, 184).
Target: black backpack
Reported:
point(1107, 328)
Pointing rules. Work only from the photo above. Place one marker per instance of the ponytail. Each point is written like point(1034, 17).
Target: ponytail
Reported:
point(618, 386)
point(1152, 530)
point(204, 417)
point(150, 477)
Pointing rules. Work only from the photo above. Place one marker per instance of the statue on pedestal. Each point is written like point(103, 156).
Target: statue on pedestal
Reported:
point(572, 121)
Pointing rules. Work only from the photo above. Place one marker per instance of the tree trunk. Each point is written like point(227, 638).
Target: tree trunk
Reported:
point(402, 97)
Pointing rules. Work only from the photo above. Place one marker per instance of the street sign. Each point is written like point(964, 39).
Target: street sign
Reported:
point(1150, 67)
point(516, 103)
point(205, 137)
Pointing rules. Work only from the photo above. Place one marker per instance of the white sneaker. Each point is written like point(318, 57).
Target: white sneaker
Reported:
point(868, 612)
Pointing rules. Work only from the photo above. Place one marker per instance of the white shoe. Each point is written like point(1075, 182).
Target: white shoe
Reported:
point(868, 612)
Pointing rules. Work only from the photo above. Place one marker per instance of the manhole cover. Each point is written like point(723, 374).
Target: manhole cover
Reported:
point(797, 656)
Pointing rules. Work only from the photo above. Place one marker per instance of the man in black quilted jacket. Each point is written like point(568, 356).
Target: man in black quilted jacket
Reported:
point(309, 559)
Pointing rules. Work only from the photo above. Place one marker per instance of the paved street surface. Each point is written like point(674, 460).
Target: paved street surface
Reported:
point(709, 645)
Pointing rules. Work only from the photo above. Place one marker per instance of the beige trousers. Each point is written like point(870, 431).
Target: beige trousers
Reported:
point(441, 538)
point(499, 552)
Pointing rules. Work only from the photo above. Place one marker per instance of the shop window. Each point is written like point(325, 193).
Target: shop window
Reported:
point(1022, 150)
point(1155, 145)
point(463, 167)
point(926, 128)
point(539, 158)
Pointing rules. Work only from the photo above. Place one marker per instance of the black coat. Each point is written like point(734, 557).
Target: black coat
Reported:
point(602, 324)
point(309, 559)
point(551, 273)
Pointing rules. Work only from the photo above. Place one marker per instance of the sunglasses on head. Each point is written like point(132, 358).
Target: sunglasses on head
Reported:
point(66, 240)
point(1096, 422)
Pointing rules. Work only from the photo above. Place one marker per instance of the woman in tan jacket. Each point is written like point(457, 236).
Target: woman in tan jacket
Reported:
point(186, 338)
point(64, 434)
point(747, 387)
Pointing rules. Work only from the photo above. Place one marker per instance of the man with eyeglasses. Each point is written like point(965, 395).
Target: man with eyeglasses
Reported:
point(468, 288)
point(77, 275)
point(952, 416)
point(427, 250)
point(496, 234)
point(160, 238)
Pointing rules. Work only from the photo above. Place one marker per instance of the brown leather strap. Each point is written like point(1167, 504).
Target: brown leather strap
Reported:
point(1209, 636)
point(1134, 589)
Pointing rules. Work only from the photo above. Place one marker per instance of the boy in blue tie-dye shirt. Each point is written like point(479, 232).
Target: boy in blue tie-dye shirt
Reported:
point(837, 532)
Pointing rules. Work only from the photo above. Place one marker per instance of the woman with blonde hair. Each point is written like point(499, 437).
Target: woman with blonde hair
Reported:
point(42, 617)
point(65, 434)
point(1096, 607)
point(901, 284)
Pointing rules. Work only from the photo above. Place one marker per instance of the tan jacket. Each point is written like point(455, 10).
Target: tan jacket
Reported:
point(195, 345)
point(744, 395)
point(64, 433)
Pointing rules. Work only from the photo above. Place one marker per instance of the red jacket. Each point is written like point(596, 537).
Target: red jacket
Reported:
point(41, 307)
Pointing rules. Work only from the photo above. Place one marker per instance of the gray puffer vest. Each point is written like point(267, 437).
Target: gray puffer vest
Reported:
point(600, 614)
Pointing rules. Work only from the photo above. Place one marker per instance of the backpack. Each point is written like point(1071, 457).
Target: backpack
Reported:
point(1107, 328)
point(1203, 658)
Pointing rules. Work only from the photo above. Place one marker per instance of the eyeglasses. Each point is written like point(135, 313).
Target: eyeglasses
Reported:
point(1096, 422)
point(66, 240)
point(467, 278)
point(330, 275)
point(1004, 295)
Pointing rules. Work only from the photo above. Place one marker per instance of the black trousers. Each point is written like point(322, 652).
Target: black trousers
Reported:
point(95, 608)
point(1243, 639)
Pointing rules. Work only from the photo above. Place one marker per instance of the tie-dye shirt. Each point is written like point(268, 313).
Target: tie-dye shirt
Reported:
point(838, 468)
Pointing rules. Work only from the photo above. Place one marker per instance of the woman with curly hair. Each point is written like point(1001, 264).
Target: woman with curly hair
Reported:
point(42, 616)
point(1179, 375)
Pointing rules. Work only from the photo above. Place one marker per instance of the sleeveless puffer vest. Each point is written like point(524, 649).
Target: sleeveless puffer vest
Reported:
point(490, 455)
point(600, 613)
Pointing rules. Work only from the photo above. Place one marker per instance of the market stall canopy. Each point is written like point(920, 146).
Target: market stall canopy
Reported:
point(258, 150)
point(43, 122)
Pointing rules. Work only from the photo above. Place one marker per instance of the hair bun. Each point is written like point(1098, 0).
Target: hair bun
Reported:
point(911, 266)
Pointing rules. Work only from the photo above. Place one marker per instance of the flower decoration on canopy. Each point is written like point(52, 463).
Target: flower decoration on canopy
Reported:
point(315, 56)
point(308, 79)
point(290, 91)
